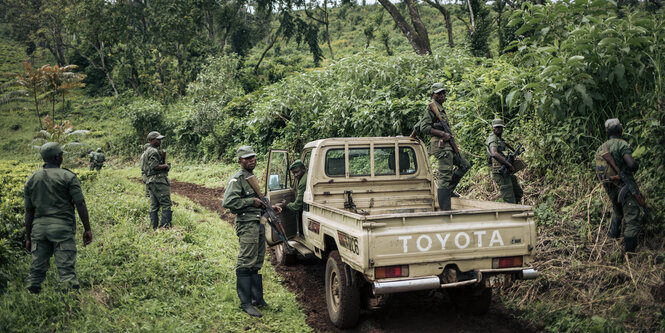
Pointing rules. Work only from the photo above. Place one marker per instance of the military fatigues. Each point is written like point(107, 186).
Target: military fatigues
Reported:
point(238, 198)
point(296, 205)
point(158, 186)
point(449, 176)
point(52, 192)
point(510, 189)
point(628, 209)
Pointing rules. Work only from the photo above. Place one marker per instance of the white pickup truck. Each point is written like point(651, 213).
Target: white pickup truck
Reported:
point(380, 230)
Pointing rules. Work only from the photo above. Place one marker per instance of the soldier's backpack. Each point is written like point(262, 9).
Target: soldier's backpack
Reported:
point(604, 171)
point(100, 158)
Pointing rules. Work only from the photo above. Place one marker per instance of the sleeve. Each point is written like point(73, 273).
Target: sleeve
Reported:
point(426, 122)
point(233, 199)
point(75, 189)
point(27, 194)
point(153, 159)
point(491, 142)
point(625, 149)
point(296, 205)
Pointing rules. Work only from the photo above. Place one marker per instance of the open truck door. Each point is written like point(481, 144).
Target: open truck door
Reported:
point(278, 188)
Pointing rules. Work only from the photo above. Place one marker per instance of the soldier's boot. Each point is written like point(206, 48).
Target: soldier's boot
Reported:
point(244, 289)
point(444, 198)
point(614, 227)
point(453, 184)
point(631, 245)
point(167, 215)
point(257, 290)
point(154, 219)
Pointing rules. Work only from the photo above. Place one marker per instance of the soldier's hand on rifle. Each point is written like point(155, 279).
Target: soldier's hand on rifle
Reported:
point(257, 203)
point(277, 209)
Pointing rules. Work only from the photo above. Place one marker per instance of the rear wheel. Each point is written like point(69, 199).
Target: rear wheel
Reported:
point(284, 258)
point(473, 300)
point(342, 298)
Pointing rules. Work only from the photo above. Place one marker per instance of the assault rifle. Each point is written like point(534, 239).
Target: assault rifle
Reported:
point(511, 159)
point(632, 186)
point(443, 126)
point(271, 215)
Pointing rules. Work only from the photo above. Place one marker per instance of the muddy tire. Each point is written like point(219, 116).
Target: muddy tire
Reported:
point(473, 300)
point(283, 258)
point(342, 298)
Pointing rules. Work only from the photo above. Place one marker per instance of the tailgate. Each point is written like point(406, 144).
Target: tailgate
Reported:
point(452, 238)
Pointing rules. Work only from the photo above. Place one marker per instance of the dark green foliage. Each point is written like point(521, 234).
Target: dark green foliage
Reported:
point(479, 34)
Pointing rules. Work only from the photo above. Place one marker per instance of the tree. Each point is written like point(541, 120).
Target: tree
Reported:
point(416, 35)
point(58, 81)
point(446, 17)
point(52, 31)
point(478, 26)
point(319, 13)
point(33, 82)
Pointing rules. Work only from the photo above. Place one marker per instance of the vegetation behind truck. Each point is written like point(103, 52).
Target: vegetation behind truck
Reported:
point(370, 211)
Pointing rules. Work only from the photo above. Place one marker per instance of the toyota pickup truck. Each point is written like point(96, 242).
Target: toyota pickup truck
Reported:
point(370, 211)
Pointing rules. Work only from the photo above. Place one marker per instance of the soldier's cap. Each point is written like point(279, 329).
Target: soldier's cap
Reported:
point(154, 135)
point(497, 123)
point(612, 123)
point(437, 87)
point(49, 150)
point(296, 164)
point(246, 152)
point(99, 150)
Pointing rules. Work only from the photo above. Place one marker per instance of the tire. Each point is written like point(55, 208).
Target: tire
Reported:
point(283, 258)
point(473, 300)
point(342, 298)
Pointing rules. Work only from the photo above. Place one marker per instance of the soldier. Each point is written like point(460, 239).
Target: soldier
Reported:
point(50, 196)
point(496, 151)
point(300, 175)
point(155, 171)
point(441, 146)
point(241, 200)
point(143, 177)
point(624, 205)
point(93, 160)
point(99, 159)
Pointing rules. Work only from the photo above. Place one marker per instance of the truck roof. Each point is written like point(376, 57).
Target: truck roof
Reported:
point(360, 140)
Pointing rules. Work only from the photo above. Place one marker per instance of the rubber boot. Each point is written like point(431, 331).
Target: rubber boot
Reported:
point(631, 245)
point(167, 215)
point(244, 289)
point(453, 184)
point(444, 198)
point(614, 228)
point(257, 290)
point(154, 219)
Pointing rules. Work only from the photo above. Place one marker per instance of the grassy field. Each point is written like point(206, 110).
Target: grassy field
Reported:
point(137, 279)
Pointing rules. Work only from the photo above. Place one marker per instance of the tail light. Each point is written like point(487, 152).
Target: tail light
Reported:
point(391, 271)
point(506, 262)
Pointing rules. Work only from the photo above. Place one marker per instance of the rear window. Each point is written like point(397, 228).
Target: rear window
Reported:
point(360, 159)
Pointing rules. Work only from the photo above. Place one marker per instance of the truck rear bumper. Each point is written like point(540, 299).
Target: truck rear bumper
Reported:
point(434, 282)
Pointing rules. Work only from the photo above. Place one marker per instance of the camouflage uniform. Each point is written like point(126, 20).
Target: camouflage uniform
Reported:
point(296, 205)
point(628, 210)
point(52, 192)
point(158, 186)
point(100, 158)
point(510, 189)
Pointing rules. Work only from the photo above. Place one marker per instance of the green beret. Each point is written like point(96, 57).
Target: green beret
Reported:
point(50, 150)
point(296, 164)
point(246, 152)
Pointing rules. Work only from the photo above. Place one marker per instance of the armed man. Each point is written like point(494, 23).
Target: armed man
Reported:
point(300, 175)
point(503, 170)
point(155, 171)
point(50, 196)
point(100, 158)
point(452, 165)
point(615, 167)
point(244, 201)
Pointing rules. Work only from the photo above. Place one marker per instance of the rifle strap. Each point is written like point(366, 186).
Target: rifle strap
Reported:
point(435, 109)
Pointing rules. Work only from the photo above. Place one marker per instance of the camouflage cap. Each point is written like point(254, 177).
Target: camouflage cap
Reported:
point(246, 152)
point(50, 150)
point(154, 135)
point(497, 123)
point(437, 87)
point(296, 164)
point(612, 123)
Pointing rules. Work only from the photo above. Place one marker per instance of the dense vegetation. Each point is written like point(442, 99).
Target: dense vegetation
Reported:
point(555, 72)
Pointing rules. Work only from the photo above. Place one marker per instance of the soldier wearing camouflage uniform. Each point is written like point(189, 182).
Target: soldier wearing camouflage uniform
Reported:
point(50, 196)
point(496, 151)
point(240, 199)
point(452, 166)
point(624, 205)
point(155, 173)
point(97, 160)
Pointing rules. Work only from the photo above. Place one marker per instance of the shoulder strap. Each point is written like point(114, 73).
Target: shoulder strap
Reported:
point(605, 147)
point(435, 109)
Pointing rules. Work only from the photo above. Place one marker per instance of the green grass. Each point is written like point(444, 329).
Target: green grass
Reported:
point(137, 279)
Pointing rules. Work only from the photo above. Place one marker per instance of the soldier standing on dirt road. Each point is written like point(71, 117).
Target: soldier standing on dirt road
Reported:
point(50, 196)
point(624, 205)
point(449, 176)
point(496, 150)
point(240, 199)
point(155, 171)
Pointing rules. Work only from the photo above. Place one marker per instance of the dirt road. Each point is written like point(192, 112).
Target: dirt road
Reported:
point(412, 312)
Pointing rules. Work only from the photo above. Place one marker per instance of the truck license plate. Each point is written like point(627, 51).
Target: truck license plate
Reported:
point(496, 281)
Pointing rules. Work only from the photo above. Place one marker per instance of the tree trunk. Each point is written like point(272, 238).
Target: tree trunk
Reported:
point(446, 18)
point(272, 43)
point(417, 37)
point(39, 117)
